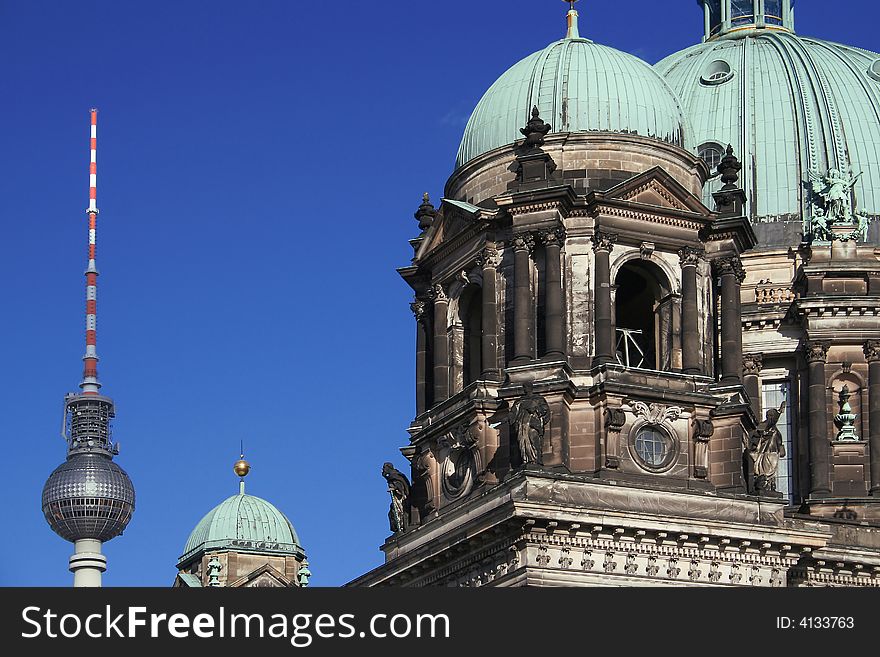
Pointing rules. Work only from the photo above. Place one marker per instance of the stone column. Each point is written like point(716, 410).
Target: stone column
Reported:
point(603, 243)
point(523, 342)
point(732, 275)
point(418, 308)
point(691, 360)
point(820, 443)
point(872, 355)
point(489, 261)
point(441, 344)
point(752, 365)
point(554, 325)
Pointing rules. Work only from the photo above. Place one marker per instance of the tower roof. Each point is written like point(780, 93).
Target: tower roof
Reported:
point(578, 86)
point(243, 523)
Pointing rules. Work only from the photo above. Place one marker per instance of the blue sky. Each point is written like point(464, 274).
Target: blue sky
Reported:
point(258, 167)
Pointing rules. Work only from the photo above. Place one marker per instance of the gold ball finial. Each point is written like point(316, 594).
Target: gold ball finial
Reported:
point(241, 467)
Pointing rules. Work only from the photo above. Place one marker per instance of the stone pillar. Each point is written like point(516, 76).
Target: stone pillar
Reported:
point(872, 355)
point(752, 365)
point(441, 344)
point(418, 308)
point(820, 442)
point(732, 275)
point(489, 261)
point(554, 325)
point(603, 243)
point(691, 359)
point(523, 342)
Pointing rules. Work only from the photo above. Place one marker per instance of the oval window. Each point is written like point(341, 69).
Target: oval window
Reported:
point(717, 72)
point(874, 71)
point(654, 448)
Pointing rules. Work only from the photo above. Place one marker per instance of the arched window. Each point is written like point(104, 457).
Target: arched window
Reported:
point(644, 317)
point(711, 153)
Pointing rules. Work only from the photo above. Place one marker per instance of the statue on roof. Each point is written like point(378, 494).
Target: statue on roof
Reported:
point(398, 488)
point(832, 205)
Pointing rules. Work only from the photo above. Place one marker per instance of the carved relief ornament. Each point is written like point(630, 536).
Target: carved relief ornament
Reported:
point(552, 236)
point(690, 257)
point(489, 258)
point(730, 265)
point(816, 351)
point(656, 413)
point(438, 294)
point(872, 351)
point(753, 364)
point(604, 241)
point(523, 242)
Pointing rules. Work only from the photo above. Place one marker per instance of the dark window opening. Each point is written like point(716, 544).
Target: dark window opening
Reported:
point(643, 311)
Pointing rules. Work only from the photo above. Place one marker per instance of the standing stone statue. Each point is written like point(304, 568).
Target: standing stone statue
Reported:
point(766, 447)
point(398, 488)
point(529, 417)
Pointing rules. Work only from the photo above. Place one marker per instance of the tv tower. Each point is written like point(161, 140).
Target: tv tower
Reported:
point(89, 499)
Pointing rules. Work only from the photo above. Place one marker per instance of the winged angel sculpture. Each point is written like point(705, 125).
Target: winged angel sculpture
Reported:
point(832, 204)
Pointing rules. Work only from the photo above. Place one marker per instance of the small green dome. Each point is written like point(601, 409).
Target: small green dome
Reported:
point(578, 86)
point(243, 523)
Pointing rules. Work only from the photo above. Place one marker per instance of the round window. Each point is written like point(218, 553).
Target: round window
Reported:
point(717, 72)
point(874, 71)
point(653, 448)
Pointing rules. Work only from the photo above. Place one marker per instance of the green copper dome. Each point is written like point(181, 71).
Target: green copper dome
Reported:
point(578, 86)
point(789, 105)
point(243, 523)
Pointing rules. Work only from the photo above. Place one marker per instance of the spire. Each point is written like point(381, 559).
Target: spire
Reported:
point(90, 384)
point(572, 21)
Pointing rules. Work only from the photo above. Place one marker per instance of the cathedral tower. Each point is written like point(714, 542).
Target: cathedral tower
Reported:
point(582, 415)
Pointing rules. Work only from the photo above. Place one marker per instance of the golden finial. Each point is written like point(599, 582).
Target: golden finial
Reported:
point(241, 468)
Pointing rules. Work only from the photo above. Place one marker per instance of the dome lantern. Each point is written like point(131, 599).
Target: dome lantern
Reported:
point(723, 17)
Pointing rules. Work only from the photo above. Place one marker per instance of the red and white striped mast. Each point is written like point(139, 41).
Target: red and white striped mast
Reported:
point(89, 499)
point(90, 384)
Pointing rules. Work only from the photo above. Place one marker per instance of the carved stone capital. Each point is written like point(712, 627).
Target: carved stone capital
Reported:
point(872, 350)
point(816, 351)
point(730, 265)
point(489, 258)
point(752, 364)
point(552, 236)
point(690, 257)
point(523, 242)
point(604, 241)
point(438, 294)
point(418, 308)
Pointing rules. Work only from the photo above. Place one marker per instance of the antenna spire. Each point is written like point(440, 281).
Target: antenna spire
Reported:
point(90, 384)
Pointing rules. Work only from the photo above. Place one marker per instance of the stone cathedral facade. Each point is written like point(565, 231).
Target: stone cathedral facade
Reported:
point(647, 332)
